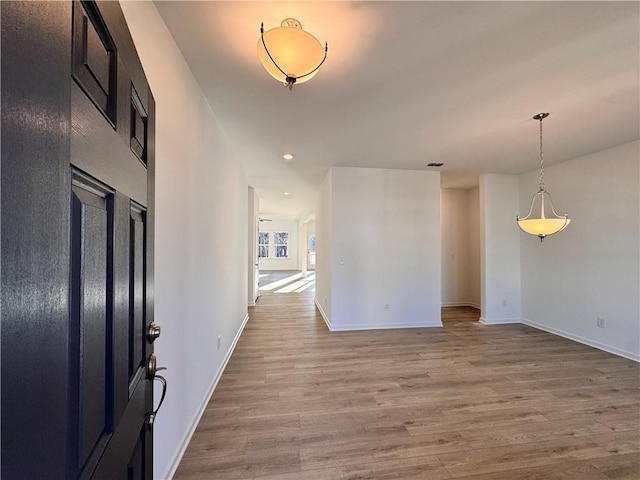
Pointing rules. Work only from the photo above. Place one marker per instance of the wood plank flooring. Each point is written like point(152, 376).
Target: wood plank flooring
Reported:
point(503, 402)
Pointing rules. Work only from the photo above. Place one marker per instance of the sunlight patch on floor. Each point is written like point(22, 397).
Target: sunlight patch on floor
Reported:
point(305, 287)
point(296, 285)
point(293, 283)
point(279, 283)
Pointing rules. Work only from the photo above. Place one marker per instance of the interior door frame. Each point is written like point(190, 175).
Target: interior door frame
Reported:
point(254, 261)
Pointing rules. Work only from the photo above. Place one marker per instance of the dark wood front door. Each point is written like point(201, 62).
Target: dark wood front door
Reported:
point(77, 244)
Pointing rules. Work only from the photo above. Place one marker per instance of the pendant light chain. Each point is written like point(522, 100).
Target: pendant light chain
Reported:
point(541, 160)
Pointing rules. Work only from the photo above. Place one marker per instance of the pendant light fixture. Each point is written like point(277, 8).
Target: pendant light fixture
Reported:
point(543, 226)
point(290, 54)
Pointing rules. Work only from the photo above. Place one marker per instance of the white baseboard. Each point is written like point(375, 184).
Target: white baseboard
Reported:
point(384, 326)
point(184, 442)
point(586, 341)
point(324, 315)
point(373, 326)
point(499, 321)
point(460, 304)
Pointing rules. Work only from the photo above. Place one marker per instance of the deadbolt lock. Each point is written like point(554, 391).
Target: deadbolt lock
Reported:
point(154, 332)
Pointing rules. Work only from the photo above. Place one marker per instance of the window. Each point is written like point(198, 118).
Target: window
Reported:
point(281, 244)
point(312, 250)
point(278, 248)
point(263, 244)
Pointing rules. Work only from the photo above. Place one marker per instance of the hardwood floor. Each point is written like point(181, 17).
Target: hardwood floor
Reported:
point(452, 315)
point(504, 402)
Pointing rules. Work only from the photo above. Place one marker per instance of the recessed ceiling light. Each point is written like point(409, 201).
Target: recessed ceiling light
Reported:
point(288, 156)
point(434, 164)
point(286, 193)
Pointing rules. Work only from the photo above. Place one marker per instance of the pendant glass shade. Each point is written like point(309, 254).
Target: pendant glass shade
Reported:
point(543, 226)
point(290, 54)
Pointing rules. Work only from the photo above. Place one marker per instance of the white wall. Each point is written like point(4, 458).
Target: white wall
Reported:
point(282, 225)
point(324, 248)
point(311, 228)
point(499, 249)
point(201, 203)
point(592, 268)
point(473, 273)
point(386, 248)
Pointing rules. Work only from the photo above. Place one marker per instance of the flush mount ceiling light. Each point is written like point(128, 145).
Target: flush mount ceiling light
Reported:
point(543, 226)
point(290, 54)
point(288, 156)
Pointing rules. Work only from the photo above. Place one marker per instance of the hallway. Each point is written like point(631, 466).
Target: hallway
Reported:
point(297, 402)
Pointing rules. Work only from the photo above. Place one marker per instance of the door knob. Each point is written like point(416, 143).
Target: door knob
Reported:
point(154, 332)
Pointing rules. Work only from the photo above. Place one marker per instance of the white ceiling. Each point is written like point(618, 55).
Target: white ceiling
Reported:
point(407, 83)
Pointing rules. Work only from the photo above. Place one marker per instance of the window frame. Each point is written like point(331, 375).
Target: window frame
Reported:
point(276, 245)
point(261, 245)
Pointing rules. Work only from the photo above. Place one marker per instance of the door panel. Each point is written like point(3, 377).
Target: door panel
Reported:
point(94, 59)
point(90, 343)
point(137, 324)
point(121, 291)
point(138, 135)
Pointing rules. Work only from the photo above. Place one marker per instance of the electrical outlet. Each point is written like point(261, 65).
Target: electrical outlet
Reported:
point(219, 341)
point(601, 322)
point(387, 307)
point(504, 303)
